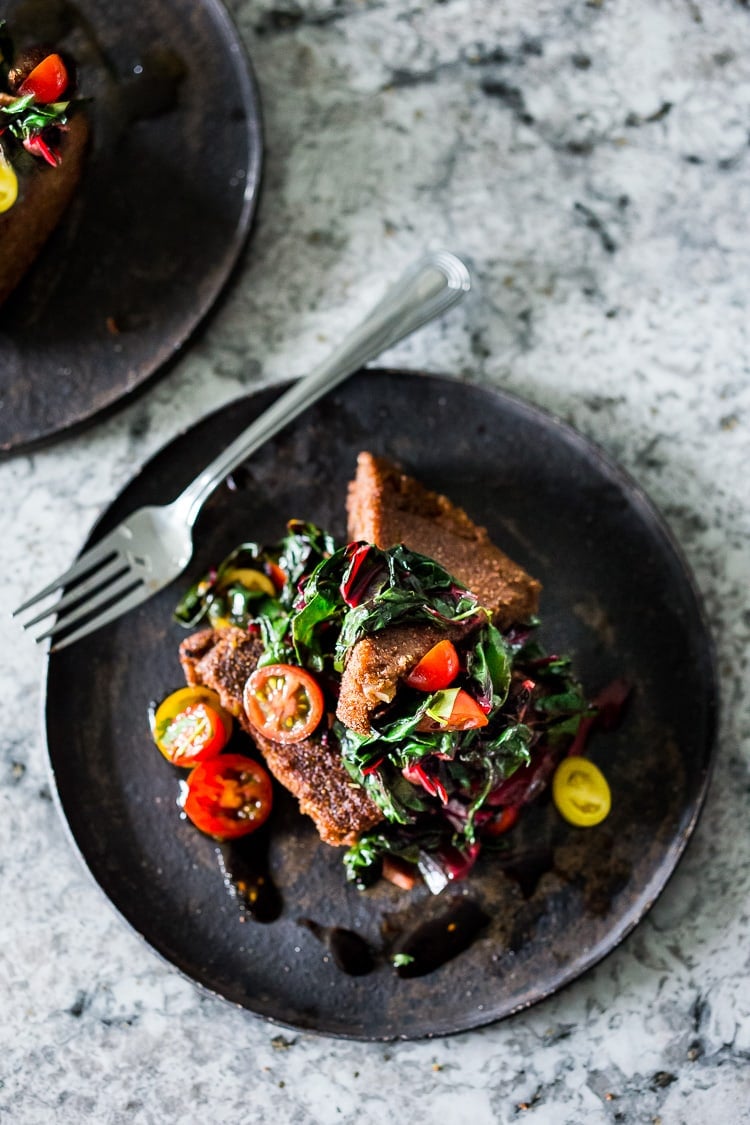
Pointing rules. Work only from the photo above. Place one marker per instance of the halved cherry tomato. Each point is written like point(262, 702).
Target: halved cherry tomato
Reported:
point(283, 702)
point(228, 796)
point(190, 726)
point(580, 792)
point(436, 670)
point(466, 713)
point(453, 709)
point(47, 81)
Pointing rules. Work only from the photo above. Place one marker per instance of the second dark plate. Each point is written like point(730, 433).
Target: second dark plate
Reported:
point(617, 596)
point(163, 210)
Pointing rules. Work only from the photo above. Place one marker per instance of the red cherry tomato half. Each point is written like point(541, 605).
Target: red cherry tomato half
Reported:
point(466, 713)
point(436, 670)
point(228, 796)
point(190, 725)
point(47, 81)
point(283, 702)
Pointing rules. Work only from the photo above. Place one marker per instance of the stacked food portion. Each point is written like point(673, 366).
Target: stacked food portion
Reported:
point(392, 684)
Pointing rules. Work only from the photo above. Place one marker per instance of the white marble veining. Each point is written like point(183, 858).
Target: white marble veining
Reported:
point(591, 160)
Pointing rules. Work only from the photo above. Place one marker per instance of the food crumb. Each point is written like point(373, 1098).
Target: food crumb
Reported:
point(437, 1066)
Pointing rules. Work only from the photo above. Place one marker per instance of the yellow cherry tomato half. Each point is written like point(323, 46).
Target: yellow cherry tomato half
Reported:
point(190, 725)
point(580, 792)
point(249, 578)
point(8, 185)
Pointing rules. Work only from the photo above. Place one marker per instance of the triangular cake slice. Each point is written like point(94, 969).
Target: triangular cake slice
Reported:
point(385, 506)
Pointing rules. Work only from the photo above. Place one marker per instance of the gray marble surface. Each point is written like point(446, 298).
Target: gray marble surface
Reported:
point(591, 161)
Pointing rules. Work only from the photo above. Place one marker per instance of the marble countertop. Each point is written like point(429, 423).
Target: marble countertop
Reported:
point(591, 161)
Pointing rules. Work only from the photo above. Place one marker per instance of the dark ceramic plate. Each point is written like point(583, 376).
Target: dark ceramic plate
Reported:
point(162, 213)
point(617, 595)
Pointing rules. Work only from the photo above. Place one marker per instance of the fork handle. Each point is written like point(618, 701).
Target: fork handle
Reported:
point(428, 289)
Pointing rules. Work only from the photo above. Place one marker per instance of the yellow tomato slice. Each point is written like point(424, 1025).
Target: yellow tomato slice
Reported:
point(178, 702)
point(8, 185)
point(249, 578)
point(580, 792)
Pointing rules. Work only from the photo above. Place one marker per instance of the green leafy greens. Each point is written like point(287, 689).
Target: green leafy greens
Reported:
point(436, 786)
point(362, 589)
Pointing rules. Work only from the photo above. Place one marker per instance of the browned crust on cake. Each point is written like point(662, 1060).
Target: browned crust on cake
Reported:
point(222, 659)
point(386, 507)
point(44, 194)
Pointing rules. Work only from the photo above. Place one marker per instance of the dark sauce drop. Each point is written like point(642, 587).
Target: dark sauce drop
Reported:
point(524, 926)
point(441, 939)
point(152, 89)
point(244, 868)
point(526, 870)
point(350, 952)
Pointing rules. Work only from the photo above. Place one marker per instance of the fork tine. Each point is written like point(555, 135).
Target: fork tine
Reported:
point(121, 585)
point(93, 557)
point(110, 570)
point(130, 601)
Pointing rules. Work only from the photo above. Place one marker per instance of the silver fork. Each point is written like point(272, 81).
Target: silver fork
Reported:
point(150, 548)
